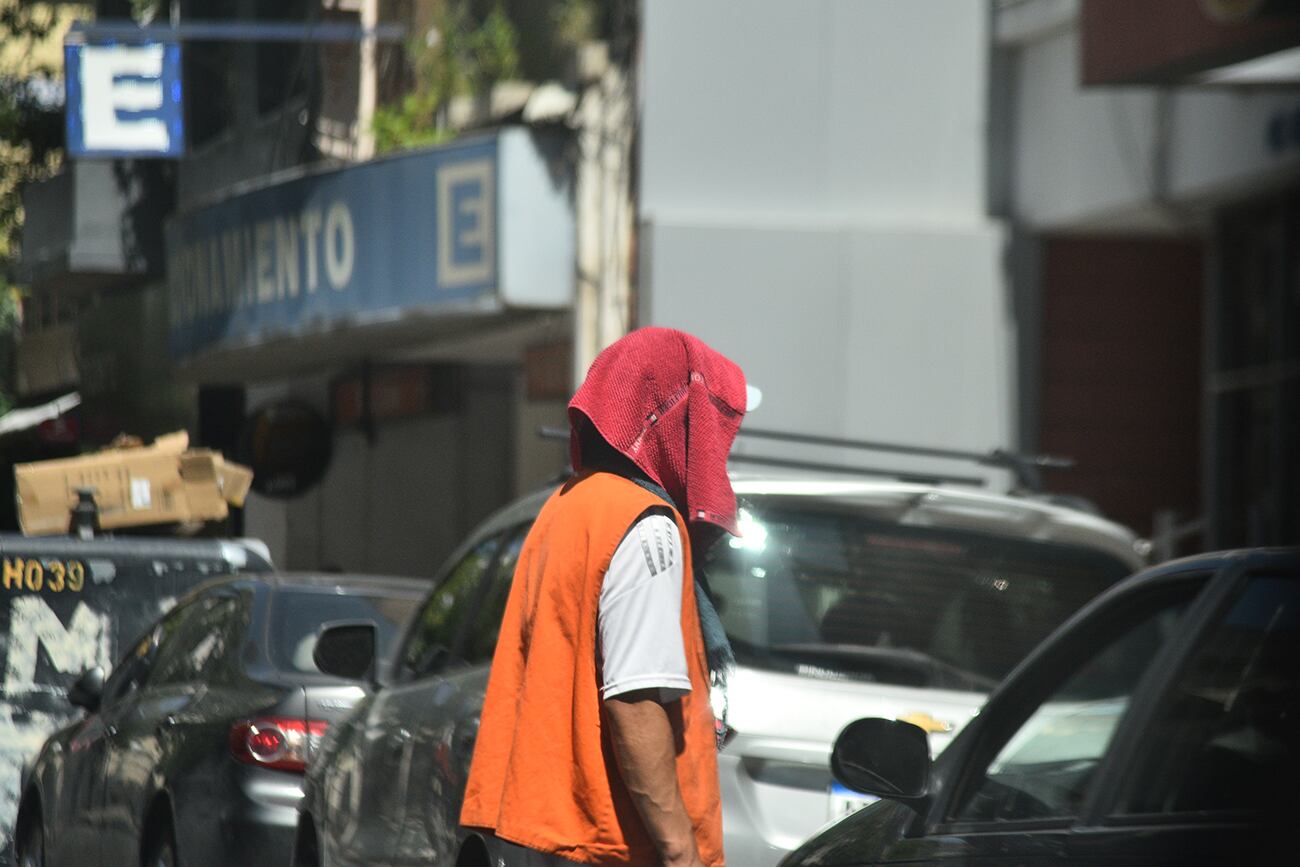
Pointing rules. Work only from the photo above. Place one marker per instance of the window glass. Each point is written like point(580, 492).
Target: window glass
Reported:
point(1225, 736)
point(487, 621)
point(297, 617)
point(843, 595)
point(433, 636)
point(135, 665)
point(129, 671)
point(1043, 769)
point(195, 650)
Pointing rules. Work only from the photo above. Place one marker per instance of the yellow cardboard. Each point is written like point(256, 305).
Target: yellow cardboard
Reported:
point(165, 482)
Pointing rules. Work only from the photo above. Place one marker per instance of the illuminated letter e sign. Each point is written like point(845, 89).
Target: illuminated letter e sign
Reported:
point(124, 100)
point(466, 223)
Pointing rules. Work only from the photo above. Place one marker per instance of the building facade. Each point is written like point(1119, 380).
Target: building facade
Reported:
point(993, 224)
point(1057, 225)
point(814, 202)
point(396, 300)
point(1149, 168)
point(380, 338)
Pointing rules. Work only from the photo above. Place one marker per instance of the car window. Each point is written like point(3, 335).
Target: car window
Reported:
point(207, 637)
point(1224, 738)
point(433, 637)
point(133, 668)
point(482, 641)
point(841, 595)
point(1041, 769)
point(298, 614)
point(129, 671)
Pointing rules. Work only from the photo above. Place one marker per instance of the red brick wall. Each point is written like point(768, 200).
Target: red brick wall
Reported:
point(1121, 372)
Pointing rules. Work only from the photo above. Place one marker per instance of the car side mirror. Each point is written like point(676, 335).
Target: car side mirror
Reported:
point(886, 758)
point(347, 648)
point(87, 690)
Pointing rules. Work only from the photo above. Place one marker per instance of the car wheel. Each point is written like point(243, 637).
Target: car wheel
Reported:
point(305, 851)
point(31, 845)
point(161, 850)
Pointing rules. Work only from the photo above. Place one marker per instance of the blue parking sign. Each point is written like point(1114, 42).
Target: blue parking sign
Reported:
point(124, 99)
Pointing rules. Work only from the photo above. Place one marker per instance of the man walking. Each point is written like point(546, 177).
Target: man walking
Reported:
point(597, 743)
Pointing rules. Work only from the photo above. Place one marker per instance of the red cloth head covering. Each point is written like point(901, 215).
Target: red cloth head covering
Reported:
point(672, 405)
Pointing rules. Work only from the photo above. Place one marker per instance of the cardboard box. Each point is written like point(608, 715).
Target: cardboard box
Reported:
point(236, 482)
point(166, 482)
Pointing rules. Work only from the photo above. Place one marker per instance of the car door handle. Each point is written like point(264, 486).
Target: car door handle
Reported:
point(110, 730)
point(165, 724)
point(397, 740)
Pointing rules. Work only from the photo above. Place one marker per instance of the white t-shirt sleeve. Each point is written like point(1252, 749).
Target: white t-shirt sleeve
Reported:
point(640, 617)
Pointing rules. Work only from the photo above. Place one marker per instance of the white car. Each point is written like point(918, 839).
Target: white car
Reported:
point(843, 599)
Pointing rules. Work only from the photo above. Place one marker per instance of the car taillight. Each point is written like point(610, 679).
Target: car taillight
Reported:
point(283, 743)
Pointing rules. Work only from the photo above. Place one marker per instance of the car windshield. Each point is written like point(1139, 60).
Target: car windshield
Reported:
point(297, 616)
point(842, 596)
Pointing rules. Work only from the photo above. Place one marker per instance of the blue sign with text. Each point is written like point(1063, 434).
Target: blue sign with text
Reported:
point(124, 99)
point(370, 242)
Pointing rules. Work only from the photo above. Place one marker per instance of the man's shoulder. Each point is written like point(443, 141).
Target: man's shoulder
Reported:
point(607, 488)
point(607, 495)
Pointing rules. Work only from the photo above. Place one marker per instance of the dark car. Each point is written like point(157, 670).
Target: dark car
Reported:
point(1161, 725)
point(194, 749)
point(68, 604)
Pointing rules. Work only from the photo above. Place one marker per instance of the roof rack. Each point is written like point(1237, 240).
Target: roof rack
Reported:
point(1026, 468)
point(842, 469)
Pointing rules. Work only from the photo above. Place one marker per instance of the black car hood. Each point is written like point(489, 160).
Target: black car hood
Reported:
point(856, 839)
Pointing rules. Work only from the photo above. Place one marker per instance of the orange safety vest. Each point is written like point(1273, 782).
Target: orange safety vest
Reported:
point(544, 774)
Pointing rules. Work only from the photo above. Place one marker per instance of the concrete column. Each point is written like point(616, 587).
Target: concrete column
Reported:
point(368, 83)
point(604, 214)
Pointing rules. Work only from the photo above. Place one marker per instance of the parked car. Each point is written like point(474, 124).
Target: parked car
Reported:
point(68, 604)
point(1159, 726)
point(193, 750)
point(842, 599)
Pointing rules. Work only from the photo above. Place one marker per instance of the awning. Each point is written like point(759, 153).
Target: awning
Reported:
point(30, 416)
point(382, 254)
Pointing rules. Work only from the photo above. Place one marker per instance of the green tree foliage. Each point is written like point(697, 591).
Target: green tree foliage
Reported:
point(476, 43)
point(575, 21)
point(459, 57)
point(31, 130)
point(11, 316)
point(145, 11)
point(31, 146)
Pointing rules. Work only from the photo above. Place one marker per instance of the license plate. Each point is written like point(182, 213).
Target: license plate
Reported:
point(844, 801)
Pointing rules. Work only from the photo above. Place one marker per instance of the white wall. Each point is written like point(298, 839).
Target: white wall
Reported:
point(885, 335)
point(820, 109)
point(535, 220)
point(813, 204)
point(1094, 157)
point(387, 507)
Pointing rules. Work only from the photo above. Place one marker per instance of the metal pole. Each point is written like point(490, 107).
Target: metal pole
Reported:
point(231, 31)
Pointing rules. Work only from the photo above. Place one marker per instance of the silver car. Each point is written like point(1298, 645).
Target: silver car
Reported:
point(842, 598)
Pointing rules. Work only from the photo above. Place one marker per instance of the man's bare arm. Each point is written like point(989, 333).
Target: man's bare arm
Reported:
point(644, 747)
